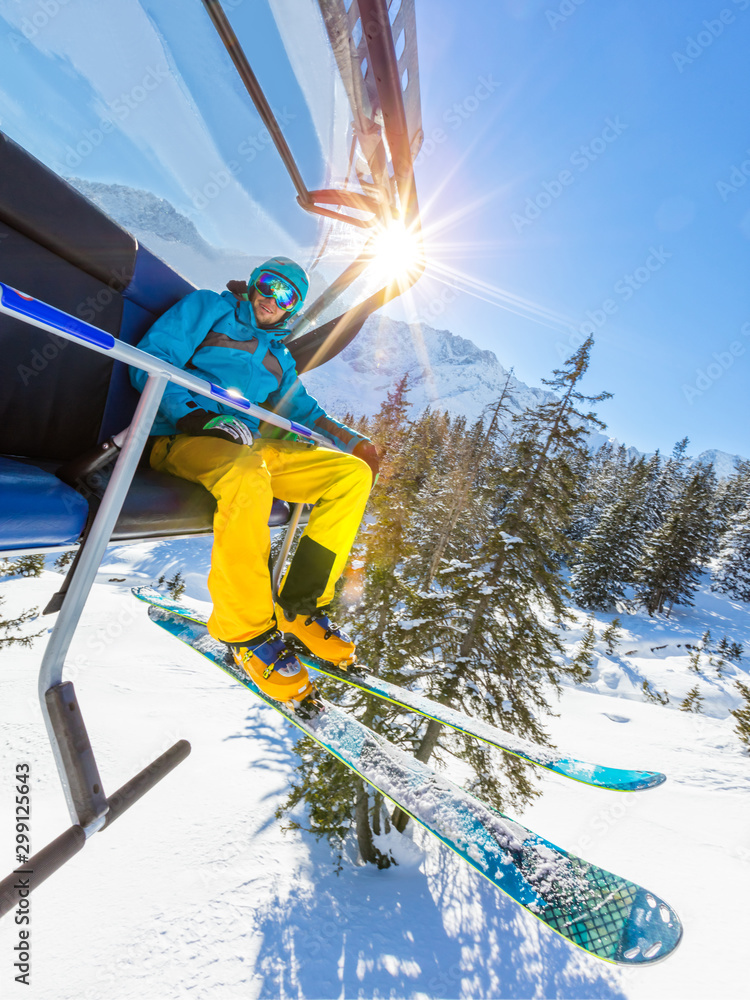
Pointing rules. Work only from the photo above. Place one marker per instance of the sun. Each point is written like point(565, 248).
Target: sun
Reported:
point(397, 254)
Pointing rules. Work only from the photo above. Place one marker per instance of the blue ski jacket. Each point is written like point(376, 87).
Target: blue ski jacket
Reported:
point(215, 337)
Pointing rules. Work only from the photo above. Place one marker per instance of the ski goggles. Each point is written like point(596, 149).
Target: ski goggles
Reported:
point(271, 286)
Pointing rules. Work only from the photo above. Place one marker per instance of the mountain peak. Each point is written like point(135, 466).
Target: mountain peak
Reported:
point(141, 211)
point(446, 371)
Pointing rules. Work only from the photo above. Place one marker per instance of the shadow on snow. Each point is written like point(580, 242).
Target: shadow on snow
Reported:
point(405, 933)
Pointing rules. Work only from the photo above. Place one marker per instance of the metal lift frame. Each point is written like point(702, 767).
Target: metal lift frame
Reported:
point(89, 807)
point(387, 126)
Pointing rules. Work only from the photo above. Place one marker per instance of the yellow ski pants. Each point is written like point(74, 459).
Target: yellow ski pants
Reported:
point(244, 480)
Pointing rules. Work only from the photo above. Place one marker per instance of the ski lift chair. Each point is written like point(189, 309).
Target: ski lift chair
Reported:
point(91, 292)
point(61, 407)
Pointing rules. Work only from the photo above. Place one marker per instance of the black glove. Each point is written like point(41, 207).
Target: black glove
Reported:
point(200, 423)
point(367, 451)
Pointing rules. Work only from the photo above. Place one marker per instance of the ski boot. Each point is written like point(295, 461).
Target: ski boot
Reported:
point(319, 635)
point(277, 671)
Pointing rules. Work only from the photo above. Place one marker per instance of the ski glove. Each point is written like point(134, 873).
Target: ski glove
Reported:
point(367, 451)
point(223, 425)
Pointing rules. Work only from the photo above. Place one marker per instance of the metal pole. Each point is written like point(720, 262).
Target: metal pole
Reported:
point(50, 673)
point(334, 290)
point(237, 55)
point(46, 862)
point(291, 527)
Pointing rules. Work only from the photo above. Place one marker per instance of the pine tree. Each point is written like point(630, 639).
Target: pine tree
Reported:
point(461, 482)
point(593, 478)
point(176, 586)
point(675, 553)
point(732, 573)
point(611, 636)
point(607, 559)
point(732, 495)
point(652, 695)
point(693, 701)
point(64, 559)
point(742, 714)
point(584, 658)
point(22, 566)
point(10, 625)
point(694, 660)
point(497, 654)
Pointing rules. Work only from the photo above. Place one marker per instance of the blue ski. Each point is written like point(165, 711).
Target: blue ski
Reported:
point(601, 913)
point(598, 775)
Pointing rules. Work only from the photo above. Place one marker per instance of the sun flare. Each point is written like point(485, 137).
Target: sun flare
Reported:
point(397, 254)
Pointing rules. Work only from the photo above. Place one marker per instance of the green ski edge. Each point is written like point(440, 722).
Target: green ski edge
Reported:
point(598, 775)
point(604, 915)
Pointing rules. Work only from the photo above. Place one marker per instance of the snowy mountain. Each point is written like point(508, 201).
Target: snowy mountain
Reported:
point(446, 371)
point(142, 212)
point(724, 464)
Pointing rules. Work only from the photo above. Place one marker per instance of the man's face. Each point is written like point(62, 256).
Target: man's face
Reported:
point(266, 311)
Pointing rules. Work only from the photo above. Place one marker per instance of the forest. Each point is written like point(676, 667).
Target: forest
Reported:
point(478, 541)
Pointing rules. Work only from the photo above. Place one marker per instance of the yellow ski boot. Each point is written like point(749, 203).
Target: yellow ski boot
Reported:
point(318, 634)
point(276, 670)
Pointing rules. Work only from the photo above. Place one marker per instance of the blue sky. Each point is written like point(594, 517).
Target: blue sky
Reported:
point(583, 180)
point(582, 170)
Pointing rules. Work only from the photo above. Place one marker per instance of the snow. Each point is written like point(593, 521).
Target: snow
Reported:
point(197, 891)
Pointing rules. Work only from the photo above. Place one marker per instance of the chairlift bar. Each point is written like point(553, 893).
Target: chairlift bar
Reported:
point(33, 311)
point(46, 862)
point(347, 277)
point(106, 517)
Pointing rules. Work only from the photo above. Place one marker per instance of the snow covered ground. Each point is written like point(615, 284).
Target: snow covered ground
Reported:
point(198, 892)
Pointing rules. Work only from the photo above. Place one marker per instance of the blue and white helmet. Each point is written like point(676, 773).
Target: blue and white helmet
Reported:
point(291, 272)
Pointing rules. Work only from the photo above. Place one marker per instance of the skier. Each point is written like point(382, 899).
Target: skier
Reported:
point(235, 339)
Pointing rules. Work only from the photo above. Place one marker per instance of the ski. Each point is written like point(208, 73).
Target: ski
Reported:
point(598, 775)
point(604, 915)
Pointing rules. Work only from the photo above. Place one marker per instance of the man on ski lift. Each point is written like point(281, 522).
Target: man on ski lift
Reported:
point(235, 340)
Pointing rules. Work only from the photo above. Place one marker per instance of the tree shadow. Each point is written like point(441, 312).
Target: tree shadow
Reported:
point(276, 743)
point(442, 932)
